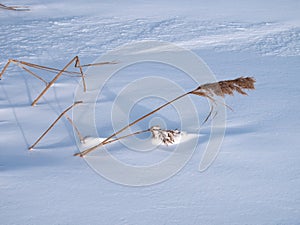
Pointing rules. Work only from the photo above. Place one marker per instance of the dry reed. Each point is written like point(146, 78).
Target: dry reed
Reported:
point(209, 90)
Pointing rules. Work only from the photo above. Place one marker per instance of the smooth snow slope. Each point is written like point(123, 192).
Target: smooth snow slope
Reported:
point(256, 177)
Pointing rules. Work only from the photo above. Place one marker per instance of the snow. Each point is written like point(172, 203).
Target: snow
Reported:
point(255, 178)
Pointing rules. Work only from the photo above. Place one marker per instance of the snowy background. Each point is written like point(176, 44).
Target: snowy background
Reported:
point(256, 176)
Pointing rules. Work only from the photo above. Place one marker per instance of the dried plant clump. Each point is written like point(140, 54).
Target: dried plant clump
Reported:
point(166, 136)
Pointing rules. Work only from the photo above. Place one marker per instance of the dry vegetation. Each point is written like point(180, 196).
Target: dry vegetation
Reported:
point(210, 90)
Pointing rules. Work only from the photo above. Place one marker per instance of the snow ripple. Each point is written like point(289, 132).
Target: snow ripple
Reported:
point(89, 37)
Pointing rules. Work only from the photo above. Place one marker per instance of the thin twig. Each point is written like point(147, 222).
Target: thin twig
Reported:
point(98, 64)
point(77, 64)
point(5, 67)
point(75, 128)
point(33, 74)
point(52, 125)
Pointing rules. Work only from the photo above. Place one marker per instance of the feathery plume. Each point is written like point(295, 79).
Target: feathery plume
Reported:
point(226, 87)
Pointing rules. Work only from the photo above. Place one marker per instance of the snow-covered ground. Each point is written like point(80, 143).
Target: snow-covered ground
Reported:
point(256, 176)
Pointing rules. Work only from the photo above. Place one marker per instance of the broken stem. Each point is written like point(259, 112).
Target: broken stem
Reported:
point(77, 64)
point(5, 67)
point(52, 125)
point(52, 81)
point(75, 128)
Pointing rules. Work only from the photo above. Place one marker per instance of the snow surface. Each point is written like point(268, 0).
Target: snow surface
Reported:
point(256, 176)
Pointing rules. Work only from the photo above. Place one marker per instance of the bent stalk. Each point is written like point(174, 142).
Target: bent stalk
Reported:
point(52, 125)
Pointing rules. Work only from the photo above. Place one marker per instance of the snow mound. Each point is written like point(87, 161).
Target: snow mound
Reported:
point(159, 138)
